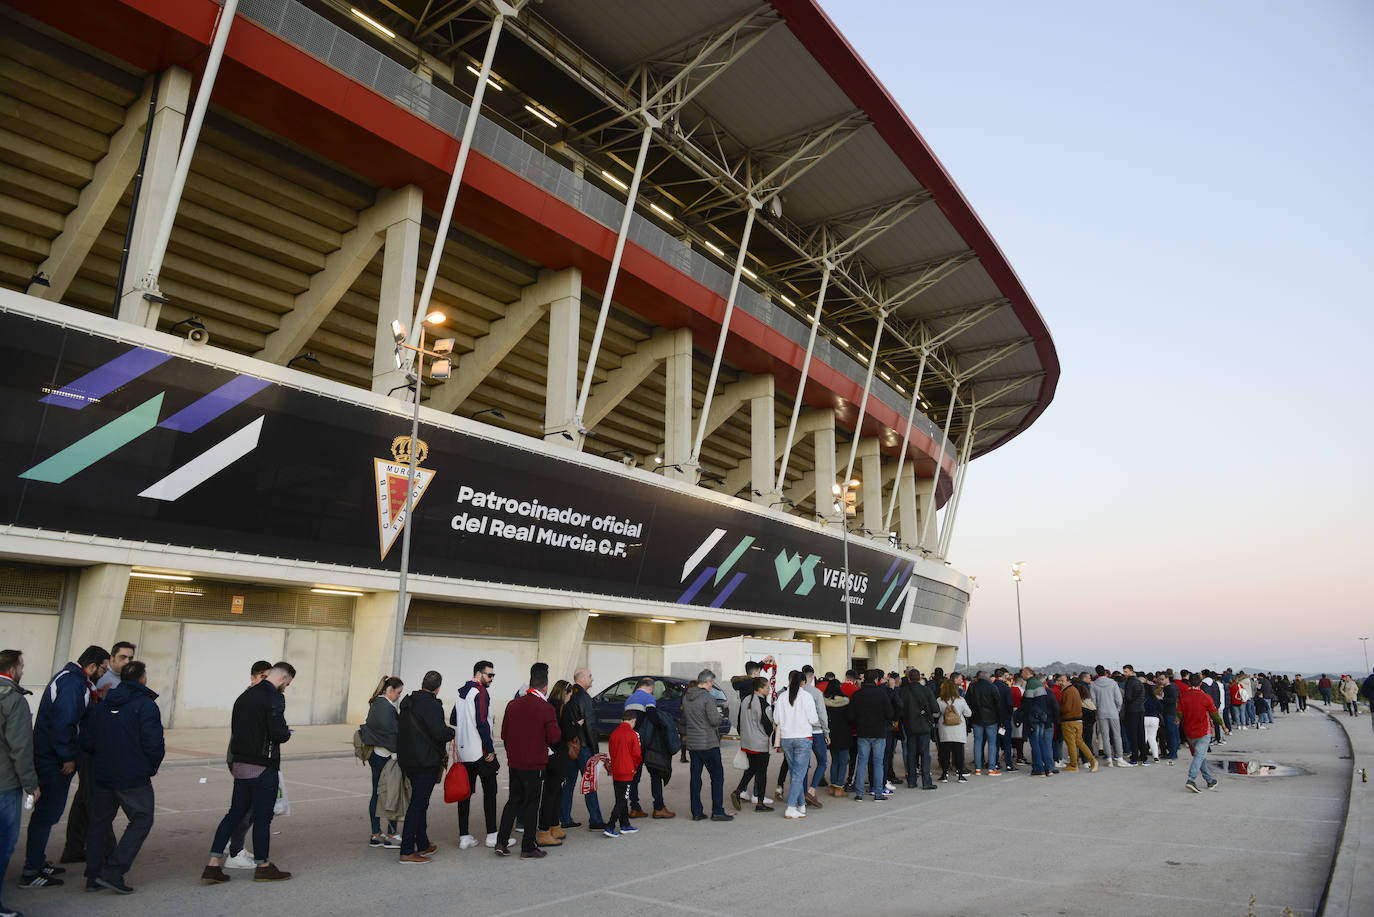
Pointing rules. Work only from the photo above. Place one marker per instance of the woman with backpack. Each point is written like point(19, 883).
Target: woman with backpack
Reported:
point(755, 739)
point(954, 712)
point(380, 732)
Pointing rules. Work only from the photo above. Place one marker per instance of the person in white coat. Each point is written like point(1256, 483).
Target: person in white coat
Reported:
point(795, 715)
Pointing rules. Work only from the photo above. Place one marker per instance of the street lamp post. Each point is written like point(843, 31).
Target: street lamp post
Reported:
point(845, 499)
point(440, 369)
point(1020, 634)
point(1365, 642)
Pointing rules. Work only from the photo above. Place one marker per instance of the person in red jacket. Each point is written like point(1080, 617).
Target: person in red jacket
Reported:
point(1197, 713)
point(528, 730)
point(625, 760)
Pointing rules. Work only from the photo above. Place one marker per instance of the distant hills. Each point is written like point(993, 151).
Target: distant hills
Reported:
point(1055, 666)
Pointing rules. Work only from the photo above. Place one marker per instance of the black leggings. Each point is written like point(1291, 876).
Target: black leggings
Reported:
point(757, 772)
point(948, 750)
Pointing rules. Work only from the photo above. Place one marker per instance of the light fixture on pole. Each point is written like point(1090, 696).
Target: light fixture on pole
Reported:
point(440, 369)
point(1020, 634)
point(845, 500)
point(1365, 642)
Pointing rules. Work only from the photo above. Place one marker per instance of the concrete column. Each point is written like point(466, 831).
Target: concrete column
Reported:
point(924, 507)
point(397, 301)
point(824, 441)
point(374, 635)
point(905, 519)
point(885, 654)
point(947, 657)
point(922, 656)
point(686, 632)
point(761, 459)
point(871, 494)
point(560, 394)
point(560, 640)
point(99, 602)
point(677, 419)
point(834, 656)
point(169, 120)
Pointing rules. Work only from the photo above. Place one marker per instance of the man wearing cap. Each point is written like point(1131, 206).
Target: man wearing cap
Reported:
point(700, 717)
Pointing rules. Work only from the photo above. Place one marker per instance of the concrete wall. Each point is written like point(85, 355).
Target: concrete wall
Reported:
point(36, 635)
point(453, 658)
point(611, 662)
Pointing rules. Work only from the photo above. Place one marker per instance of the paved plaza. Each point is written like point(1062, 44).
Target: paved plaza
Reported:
point(1115, 842)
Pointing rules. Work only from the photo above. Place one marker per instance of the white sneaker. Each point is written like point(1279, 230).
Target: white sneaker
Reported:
point(491, 839)
point(746, 797)
point(467, 842)
point(887, 786)
point(768, 800)
point(1122, 762)
point(791, 812)
point(801, 810)
point(1263, 727)
point(1061, 764)
point(241, 860)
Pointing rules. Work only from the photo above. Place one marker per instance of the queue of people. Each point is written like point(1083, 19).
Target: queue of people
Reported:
point(98, 725)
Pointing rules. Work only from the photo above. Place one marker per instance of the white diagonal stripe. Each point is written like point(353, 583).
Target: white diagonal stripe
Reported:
point(706, 545)
point(209, 463)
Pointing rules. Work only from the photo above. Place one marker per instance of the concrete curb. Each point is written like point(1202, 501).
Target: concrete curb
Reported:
point(1350, 890)
point(219, 761)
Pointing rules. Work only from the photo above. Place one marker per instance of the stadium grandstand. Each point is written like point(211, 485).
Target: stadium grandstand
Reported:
point(687, 284)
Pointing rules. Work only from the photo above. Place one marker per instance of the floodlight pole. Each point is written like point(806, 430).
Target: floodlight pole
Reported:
point(848, 639)
point(1365, 642)
point(1020, 634)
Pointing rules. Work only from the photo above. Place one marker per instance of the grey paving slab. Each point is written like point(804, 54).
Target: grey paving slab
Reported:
point(1352, 879)
point(1122, 841)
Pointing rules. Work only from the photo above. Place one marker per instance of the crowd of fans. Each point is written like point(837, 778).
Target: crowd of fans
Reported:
point(860, 735)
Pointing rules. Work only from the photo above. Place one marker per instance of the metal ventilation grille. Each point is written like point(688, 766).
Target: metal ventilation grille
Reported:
point(31, 586)
point(437, 618)
point(211, 601)
point(939, 604)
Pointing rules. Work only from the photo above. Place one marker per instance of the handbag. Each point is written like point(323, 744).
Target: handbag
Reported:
point(457, 786)
point(574, 748)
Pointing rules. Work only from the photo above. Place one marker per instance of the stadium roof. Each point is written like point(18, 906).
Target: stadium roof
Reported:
point(762, 100)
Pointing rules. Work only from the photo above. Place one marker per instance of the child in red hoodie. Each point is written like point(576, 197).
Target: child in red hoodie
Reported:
point(625, 760)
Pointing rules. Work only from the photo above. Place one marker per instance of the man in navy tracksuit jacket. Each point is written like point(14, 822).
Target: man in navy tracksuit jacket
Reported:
point(56, 741)
point(123, 734)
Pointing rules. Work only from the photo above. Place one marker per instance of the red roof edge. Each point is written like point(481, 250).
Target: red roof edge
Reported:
point(819, 35)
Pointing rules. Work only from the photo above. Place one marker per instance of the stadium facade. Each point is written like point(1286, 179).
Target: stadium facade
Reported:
point(210, 225)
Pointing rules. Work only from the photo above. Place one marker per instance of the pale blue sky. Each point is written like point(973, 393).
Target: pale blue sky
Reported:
point(1184, 190)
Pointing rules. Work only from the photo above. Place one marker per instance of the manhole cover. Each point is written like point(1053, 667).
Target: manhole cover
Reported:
point(1263, 769)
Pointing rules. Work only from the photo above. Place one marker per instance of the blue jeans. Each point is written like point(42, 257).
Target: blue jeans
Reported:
point(1171, 730)
point(377, 763)
point(1250, 712)
point(984, 737)
point(839, 765)
point(709, 758)
point(869, 762)
point(818, 749)
point(917, 752)
point(1004, 743)
point(1042, 755)
point(655, 789)
point(572, 783)
point(258, 796)
point(53, 787)
point(798, 755)
point(9, 826)
point(1199, 748)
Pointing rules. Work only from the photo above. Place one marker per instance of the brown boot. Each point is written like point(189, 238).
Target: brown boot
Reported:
point(268, 872)
point(812, 799)
point(663, 813)
point(557, 831)
point(413, 858)
point(546, 839)
point(638, 813)
point(214, 875)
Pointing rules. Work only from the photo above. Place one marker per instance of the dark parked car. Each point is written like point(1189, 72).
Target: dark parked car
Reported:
point(668, 691)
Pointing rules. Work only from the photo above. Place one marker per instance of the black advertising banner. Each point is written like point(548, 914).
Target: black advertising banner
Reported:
point(108, 438)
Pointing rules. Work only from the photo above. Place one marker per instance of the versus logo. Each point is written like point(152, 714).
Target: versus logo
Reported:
point(124, 429)
point(788, 567)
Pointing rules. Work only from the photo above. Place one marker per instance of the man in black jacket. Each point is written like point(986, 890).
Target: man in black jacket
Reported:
point(421, 735)
point(1133, 715)
point(584, 717)
point(919, 713)
point(123, 734)
point(986, 706)
point(257, 730)
point(1001, 680)
point(871, 711)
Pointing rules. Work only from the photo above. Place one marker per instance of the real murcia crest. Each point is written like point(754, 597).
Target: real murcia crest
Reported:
point(391, 480)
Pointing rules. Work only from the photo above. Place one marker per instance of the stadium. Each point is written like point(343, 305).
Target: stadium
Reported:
point(688, 272)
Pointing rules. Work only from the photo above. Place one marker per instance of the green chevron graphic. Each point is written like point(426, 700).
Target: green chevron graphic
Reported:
point(95, 446)
point(733, 558)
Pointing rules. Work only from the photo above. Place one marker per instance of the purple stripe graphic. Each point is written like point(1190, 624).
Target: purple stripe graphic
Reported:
point(232, 393)
point(729, 588)
point(102, 380)
point(895, 562)
point(692, 590)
